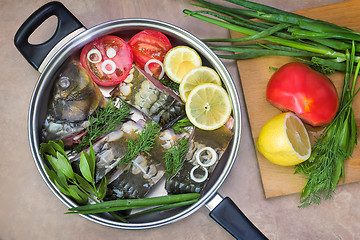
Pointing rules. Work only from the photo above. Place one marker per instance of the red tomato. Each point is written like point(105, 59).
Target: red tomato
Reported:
point(306, 92)
point(108, 60)
point(147, 45)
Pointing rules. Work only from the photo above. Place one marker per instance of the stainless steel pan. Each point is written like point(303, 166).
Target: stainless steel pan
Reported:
point(68, 39)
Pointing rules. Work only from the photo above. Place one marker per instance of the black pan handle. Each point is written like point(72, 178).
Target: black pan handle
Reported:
point(230, 217)
point(67, 23)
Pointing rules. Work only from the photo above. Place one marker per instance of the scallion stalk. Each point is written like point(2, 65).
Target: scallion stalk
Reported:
point(123, 204)
point(325, 40)
point(299, 45)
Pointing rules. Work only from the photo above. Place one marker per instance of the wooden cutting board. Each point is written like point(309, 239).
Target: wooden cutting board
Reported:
point(255, 73)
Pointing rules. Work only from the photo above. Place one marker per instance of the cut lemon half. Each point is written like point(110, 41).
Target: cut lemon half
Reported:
point(179, 61)
point(196, 77)
point(284, 140)
point(208, 106)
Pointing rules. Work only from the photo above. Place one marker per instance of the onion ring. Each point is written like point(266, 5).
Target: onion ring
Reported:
point(108, 62)
point(96, 52)
point(198, 180)
point(208, 163)
point(147, 69)
point(111, 52)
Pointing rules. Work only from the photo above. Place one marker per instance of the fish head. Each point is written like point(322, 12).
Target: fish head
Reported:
point(75, 96)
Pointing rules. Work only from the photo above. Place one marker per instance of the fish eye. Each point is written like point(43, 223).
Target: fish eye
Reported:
point(64, 82)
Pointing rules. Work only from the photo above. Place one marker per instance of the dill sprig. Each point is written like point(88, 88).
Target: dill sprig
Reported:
point(181, 126)
point(174, 157)
point(144, 141)
point(326, 163)
point(103, 121)
point(170, 84)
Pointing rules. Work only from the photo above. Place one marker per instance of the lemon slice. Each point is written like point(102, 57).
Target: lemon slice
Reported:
point(196, 77)
point(179, 61)
point(208, 106)
point(284, 140)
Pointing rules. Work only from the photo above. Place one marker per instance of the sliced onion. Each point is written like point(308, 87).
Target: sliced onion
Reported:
point(110, 52)
point(96, 52)
point(147, 69)
point(209, 163)
point(198, 180)
point(108, 62)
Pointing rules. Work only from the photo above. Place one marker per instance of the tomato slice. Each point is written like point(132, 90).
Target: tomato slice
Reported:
point(147, 45)
point(108, 60)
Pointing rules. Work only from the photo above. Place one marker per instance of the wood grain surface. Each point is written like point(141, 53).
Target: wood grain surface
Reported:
point(255, 73)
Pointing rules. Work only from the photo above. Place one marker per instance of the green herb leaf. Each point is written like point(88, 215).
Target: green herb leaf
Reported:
point(46, 148)
point(78, 195)
point(101, 192)
point(84, 166)
point(62, 184)
point(85, 184)
point(52, 160)
point(58, 146)
point(63, 174)
point(61, 164)
point(62, 189)
point(64, 166)
point(52, 175)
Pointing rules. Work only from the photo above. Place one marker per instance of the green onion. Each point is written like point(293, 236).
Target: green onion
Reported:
point(163, 208)
point(303, 46)
point(123, 204)
point(326, 41)
point(297, 18)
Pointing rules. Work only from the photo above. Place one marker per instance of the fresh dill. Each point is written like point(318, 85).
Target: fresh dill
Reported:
point(181, 126)
point(103, 121)
point(326, 163)
point(174, 157)
point(170, 84)
point(144, 141)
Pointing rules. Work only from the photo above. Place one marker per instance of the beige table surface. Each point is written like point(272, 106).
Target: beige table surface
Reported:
point(29, 210)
